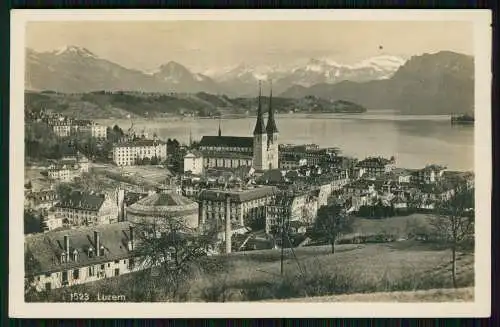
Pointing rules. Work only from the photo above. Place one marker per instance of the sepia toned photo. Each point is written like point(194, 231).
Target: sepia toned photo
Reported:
point(245, 163)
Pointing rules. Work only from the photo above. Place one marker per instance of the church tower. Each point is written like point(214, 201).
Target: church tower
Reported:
point(272, 135)
point(259, 139)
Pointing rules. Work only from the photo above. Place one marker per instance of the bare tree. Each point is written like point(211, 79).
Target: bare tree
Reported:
point(332, 222)
point(171, 249)
point(454, 224)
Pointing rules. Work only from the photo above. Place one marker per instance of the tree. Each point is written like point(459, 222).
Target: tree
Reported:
point(331, 223)
point(454, 224)
point(170, 247)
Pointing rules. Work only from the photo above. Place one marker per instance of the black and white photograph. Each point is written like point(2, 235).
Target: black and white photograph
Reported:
point(247, 162)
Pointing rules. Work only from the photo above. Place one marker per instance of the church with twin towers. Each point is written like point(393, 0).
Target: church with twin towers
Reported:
point(259, 151)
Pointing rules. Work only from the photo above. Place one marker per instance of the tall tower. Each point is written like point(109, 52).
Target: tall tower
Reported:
point(259, 139)
point(220, 131)
point(272, 135)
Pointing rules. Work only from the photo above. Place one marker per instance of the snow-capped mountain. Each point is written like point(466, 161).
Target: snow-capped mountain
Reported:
point(73, 69)
point(76, 69)
point(306, 73)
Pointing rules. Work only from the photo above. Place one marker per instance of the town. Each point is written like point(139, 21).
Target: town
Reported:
point(90, 189)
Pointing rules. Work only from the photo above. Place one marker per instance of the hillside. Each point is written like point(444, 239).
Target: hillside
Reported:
point(102, 104)
point(440, 83)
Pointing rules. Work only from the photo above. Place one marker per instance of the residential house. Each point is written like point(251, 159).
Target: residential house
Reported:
point(45, 199)
point(70, 257)
point(428, 175)
point(376, 166)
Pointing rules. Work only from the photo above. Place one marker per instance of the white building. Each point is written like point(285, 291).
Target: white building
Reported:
point(127, 154)
point(193, 162)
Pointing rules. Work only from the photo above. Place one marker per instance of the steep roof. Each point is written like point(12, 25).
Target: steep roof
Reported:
point(139, 143)
point(45, 249)
point(259, 124)
point(271, 123)
point(238, 195)
point(82, 201)
point(227, 141)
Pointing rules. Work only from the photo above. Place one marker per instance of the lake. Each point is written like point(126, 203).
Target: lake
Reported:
point(414, 140)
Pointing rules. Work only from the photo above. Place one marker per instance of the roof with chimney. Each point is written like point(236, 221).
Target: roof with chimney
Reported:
point(43, 250)
point(238, 195)
point(227, 141)
point(82, 201)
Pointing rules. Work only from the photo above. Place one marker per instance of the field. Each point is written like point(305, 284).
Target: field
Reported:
point(465, 294)
point(399, 226)
point(255, 275)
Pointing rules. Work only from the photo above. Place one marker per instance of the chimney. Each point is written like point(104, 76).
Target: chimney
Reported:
point(97, 243)
point(228, 224)
point(66, 247)
point(131, 236)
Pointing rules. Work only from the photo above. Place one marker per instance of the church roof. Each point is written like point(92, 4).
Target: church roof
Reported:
point(271, 123)
point(259, 125)
point(227, 141)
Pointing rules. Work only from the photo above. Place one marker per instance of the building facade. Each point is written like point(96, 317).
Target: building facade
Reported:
point(193, 162)
point(128, 153)
point(65, 258)
point(247, 206)
point(87, 209)
point(376, 166)
point(259, 151)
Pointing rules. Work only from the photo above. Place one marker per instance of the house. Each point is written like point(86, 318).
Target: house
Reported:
point(41, 200)
point(64, 258)
point(60, 172)
point(87, 209)
point(290, 206)
point(376, 166)
point(193, 162)
point(428, 175)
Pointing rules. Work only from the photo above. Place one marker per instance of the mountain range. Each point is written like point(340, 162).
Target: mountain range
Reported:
point(431, 83)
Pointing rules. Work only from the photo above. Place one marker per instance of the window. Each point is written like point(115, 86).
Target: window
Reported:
point(117, 272)
point(76, 273)
point(48, 286)
point(109, 264)
point(102, 267)
point(65, 277)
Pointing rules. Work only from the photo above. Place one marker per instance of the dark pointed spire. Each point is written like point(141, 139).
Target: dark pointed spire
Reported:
point(259, 126)
point(220, 131)
point(271, 123)
point(190, 138)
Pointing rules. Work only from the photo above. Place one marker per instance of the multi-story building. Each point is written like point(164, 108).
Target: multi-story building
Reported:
point(88, 209)
point(193, 162)
point(428, 175)
point(247, 205)
point(291, 206)
point(376, 166)
point(63, 258)
point(61, 128)
point(88, 128)
point(127, 153)
point(60, 172)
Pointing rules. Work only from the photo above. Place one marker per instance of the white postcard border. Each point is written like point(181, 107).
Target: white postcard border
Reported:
point(479, 308)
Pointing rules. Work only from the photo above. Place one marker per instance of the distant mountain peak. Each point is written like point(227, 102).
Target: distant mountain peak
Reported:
point(73, 49)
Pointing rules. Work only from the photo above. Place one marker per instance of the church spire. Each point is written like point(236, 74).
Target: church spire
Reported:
point(190, 137)
point(220, 131)
point(271, 123)
point(259, 126)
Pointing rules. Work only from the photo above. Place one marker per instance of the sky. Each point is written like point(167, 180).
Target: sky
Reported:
point(206, 45)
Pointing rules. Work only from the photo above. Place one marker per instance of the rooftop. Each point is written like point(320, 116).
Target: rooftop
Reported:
point(82, 201)
point(238, 195)
point(226, 141)
point(139, 143)
point(44, 249)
